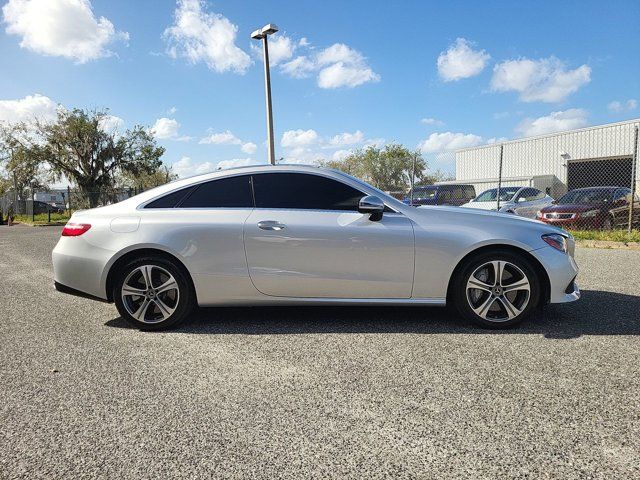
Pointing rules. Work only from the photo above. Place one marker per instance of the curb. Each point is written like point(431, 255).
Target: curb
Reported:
point(608, 244)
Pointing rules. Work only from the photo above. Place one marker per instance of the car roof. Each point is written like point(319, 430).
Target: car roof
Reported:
point(583, 189)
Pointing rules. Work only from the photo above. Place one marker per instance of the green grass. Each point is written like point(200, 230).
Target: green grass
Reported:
point(42, 218)
point(610, 236)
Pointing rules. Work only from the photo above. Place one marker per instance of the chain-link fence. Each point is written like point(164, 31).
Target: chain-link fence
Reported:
point(56, 205)
point(579, 180)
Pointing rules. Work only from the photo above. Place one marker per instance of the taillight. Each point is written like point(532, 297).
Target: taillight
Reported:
point(75, 229)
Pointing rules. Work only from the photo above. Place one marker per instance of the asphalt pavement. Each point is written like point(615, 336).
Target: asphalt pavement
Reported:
point(316, 392)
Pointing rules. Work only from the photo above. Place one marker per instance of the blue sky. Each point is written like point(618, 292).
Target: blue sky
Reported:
point(431, 75)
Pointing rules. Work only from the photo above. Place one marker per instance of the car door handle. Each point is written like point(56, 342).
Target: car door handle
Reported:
point(270, 225)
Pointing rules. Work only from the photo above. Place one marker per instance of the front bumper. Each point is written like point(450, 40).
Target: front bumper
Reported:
point(562, 271)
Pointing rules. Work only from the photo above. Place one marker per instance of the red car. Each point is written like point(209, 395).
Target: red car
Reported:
point(591, 208)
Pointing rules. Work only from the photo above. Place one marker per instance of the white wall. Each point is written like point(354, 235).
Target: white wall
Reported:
point(542, 155)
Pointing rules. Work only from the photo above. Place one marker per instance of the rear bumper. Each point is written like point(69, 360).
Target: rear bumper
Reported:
point(77, 293)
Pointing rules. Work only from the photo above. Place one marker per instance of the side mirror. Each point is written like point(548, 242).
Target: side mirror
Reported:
point(372, 205)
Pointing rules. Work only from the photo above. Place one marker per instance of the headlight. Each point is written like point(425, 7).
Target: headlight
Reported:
point(589, 214)
point(557, 241)
point(539, 214)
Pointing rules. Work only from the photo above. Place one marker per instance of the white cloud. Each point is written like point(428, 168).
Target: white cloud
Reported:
point(340, 155)
point(27, 109)
point(222, 138)
point(347, 138)
point(461, 61)
point(618, 107)
point(298, 138)
point(186, 168)
point(172, 110)
point(338, 66)
point(168, 129)
point(281, 48)
point(447, 141)
point(205, 37)
point(501, 115)
point(236, 162)
point(61, 28)
point(554, 122)
point(111, 123)
point(249, 148)
point(342, 66)
point(299, 67)
point(545, 80)
point(431, 121)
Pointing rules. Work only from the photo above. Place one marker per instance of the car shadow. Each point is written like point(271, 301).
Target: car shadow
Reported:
point(597, 313)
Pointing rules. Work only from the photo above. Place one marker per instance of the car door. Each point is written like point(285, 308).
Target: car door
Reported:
point(305, 238)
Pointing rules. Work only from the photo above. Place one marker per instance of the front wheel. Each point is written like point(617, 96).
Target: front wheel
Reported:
point(496, 290)
point(153, 293)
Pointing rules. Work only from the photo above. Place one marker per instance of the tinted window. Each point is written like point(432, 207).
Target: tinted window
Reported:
point(304, 191)
point(586, 196)
point(231, 192)
point(170, 200)
point(531, 194)
point(425, 192)
point(469, 191)
point(621, 193)
point(506, 193)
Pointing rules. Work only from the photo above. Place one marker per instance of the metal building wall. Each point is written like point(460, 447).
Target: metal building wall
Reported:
point(547, 155)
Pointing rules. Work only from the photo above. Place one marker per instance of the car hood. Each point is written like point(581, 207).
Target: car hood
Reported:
point(572, 207)
point(484, 224)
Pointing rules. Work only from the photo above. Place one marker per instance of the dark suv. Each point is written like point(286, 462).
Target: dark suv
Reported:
point(441, 195)
point(594, 207)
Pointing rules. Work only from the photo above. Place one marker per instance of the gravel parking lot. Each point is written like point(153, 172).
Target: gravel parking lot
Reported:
point(316, 392)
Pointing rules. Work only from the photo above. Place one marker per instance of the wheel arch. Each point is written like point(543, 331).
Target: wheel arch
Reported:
point(129, 255)
point(540, 270)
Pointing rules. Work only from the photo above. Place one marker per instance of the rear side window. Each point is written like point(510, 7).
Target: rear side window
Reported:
point(231, 192)
point(304, 191)
point(469, 191)
point(170, 200)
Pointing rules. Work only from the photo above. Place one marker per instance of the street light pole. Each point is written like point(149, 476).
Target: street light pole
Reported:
point(262, 34)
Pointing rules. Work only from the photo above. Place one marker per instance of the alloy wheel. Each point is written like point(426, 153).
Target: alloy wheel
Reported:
point(150, 294)
point(498, 291)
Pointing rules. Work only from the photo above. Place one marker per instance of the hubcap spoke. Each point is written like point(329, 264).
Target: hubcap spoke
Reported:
point(498, 270)
point(146, 275)
point(142, 310)
point(519, 285)
point(510, 308)
point(486, 305)
point(164, 308)
point(479, 284)
point(170, 284)
point(129, 290)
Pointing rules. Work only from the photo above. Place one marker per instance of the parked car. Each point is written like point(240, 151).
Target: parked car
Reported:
point(441, 195)
point(38, 207)
point(523, 201)
point(302, 235)
point(592, 208)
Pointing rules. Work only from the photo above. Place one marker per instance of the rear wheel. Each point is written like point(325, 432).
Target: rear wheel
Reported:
point(153, 293)
point(496, 290)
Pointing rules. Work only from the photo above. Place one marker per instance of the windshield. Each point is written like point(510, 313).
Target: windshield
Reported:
point(425, 192)
point(586, 196)
point(506, 194)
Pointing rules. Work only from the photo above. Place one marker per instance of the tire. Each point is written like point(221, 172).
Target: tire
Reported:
point(494, 305)
point(168, 302)
point(607, 223)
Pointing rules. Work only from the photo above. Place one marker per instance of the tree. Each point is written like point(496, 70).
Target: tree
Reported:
point(144, 181)
point(23, 171)
point(77, 147)
point(392, 168)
